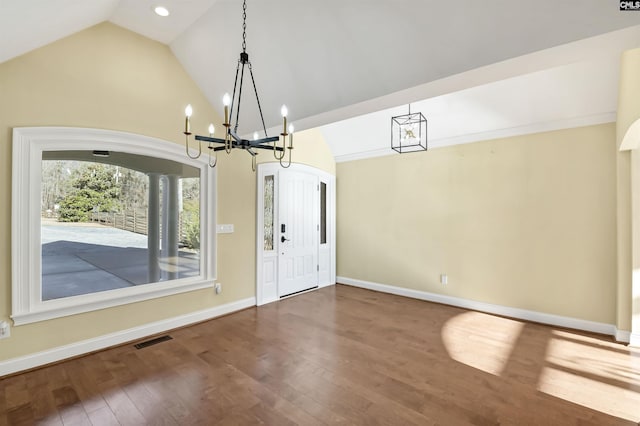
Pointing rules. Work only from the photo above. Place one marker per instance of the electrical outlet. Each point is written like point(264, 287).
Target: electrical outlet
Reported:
point(218, 288)
point(444, 279)
point(5, 330)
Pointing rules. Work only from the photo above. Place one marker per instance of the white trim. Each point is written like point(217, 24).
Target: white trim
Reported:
point(48, 356)
point(28, 146)
point(622, 335)
point(548, 126)
point(333, 208)
point(274, 168)
point(631, 139)
point(634, 340)
point(523, 314)
point(107, 299)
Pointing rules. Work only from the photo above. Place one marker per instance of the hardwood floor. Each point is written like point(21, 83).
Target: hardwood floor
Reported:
point(341, 355)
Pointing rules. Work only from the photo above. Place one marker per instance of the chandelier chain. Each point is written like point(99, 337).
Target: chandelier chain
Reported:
point(244, 26)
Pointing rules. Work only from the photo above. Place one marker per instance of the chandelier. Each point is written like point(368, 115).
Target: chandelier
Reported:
point(231, 105)
point(409, 132)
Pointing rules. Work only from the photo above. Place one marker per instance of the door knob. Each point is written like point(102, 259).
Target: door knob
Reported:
point(283, 239)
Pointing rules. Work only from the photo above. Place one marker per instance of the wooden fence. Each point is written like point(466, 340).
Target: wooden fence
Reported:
point(132, 220)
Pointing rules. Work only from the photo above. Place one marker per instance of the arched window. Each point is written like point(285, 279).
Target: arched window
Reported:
point(103, 218)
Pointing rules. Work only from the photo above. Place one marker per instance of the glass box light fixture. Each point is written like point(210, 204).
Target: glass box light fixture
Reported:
point(409, 132)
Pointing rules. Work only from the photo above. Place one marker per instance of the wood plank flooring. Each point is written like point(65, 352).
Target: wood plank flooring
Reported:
point(341, 355)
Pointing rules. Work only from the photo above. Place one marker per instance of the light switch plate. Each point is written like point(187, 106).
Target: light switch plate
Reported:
point(224, 229)
point(5, 329)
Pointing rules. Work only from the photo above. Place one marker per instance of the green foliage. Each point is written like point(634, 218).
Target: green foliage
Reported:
point(133, 189)
point(55, 182)
point(191, 223)
point(92, 189)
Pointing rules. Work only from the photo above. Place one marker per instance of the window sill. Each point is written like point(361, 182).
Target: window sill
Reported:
point(105, 299)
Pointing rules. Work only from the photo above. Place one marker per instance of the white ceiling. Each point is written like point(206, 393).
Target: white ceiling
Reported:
point(333, 60)
point(567, 86)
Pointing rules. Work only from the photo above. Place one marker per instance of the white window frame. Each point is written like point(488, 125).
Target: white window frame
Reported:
point(26, 261)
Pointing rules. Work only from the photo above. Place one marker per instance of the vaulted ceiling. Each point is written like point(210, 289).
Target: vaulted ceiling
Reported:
point(490, 65)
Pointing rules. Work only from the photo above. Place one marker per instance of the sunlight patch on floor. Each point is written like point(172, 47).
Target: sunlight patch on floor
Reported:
point(480, 340)
point(593, 368)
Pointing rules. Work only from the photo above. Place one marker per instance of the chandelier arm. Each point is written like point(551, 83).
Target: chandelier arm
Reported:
point(209, 139)
point(261, 142)
point(233, 97)
point(235, 128)
point(255, 90)
point(186, 145)
point(235, 136)
point(215, 162)
point(288, 163)
point(276, 148)
point(228, 146)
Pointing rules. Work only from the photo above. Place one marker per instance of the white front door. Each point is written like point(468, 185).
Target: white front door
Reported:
point(297, 203)
point(297, 232)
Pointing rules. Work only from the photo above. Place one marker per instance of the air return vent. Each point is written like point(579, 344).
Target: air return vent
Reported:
point(152, 342)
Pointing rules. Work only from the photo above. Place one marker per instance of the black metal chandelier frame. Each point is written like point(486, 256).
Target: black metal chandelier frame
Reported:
point(232, 140)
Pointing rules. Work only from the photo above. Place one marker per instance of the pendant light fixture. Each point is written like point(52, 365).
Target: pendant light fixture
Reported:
point(409, 132)
point(231, 106)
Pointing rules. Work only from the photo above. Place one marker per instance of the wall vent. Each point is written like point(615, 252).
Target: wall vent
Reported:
point(152, 342)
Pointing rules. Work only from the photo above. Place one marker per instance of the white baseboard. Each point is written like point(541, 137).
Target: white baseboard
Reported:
point(634, 340)
point(48, 356)
point(622, 336)
point(523, 314)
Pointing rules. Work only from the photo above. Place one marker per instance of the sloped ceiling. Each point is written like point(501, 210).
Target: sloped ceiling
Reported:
point(562, 87)
point(333, 60)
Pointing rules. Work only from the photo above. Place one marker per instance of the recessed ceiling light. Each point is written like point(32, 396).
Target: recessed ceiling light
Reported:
point(161, 11)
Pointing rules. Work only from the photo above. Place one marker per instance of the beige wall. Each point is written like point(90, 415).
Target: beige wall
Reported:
point(628, 193)
point(107, 77)
point(526, 222)
point(629, 86)
point(310, 148)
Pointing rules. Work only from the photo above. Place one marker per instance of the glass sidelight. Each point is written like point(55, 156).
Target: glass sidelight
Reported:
point(268, 212)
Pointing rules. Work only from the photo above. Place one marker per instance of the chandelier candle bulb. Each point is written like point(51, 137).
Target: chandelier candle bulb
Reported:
point(226, 101)
point(188, 111)
point(255, 136)
point(284, 111)
point(291, 128)
point(212, 130)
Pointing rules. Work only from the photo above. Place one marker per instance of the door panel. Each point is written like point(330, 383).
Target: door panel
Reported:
point(298, 212)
